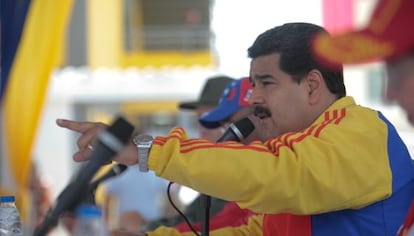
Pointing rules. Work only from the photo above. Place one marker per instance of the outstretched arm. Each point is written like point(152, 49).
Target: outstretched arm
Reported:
point(88, 135)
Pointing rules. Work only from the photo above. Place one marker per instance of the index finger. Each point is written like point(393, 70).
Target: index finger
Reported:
point(79, 126)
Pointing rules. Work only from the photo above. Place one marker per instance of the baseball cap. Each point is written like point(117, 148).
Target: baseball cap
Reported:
point(388, 35)
point(234, 97)
point(210, 95)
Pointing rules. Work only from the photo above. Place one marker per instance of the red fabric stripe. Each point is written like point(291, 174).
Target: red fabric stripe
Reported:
point(277, 147)
point(327, 115)
point(306, 133)
point(230, 216)
point(274, 145)
point(311, 129)
point(287, 225)
point(178, 130)
point(335, 113)
point(298, 139)
point(343, 113)
point(325, 123)
point(408, 222)
point(290, 143)
point(159, 142)
point(287, 135)
point(223, 146)
point(321, 127)
point(191, 142)
point(285, 141)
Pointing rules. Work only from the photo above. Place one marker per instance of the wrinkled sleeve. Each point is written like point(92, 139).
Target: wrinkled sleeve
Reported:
point(338, 162)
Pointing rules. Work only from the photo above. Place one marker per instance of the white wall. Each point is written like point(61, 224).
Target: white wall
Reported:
point(238, 23)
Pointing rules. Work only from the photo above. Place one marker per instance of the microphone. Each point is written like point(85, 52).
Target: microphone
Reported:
point(237, 131)
point(114, 171)
point(110, 142)
point(89, 197)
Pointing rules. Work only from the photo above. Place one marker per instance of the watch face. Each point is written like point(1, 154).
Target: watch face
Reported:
point(143, 138)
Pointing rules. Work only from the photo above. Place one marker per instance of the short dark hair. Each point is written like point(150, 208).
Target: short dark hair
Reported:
point(293, 41)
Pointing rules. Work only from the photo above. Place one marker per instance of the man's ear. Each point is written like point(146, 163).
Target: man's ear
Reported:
point(315, 84)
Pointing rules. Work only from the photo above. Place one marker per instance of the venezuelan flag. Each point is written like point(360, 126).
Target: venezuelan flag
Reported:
point(33, 33)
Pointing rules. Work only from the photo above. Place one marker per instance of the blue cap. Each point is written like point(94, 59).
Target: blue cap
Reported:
point(234, 97)
point(7, 199)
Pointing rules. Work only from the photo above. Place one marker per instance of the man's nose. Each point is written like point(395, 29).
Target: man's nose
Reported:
point(255, 97)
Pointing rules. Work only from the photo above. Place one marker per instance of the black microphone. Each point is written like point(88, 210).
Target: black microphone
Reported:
point(114, 171)
point(110, 142)
point(89, 197)
point(237, 131)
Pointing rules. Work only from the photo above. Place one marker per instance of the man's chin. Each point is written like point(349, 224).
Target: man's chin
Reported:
point(263, 127)
point(269, 131)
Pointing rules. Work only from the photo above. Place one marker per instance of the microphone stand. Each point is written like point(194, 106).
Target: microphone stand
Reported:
point(205, 220)
point(236, 132)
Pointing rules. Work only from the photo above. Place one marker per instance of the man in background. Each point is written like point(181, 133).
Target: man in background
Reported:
point(207, 100)
point(233, 106)
point(134, 198)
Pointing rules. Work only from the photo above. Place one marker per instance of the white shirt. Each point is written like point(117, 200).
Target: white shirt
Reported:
point(140, 191)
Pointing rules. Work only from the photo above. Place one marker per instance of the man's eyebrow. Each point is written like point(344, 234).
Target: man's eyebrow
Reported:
point(260, 77)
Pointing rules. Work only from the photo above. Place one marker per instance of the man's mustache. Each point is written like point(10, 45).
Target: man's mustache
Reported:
point(261, 112)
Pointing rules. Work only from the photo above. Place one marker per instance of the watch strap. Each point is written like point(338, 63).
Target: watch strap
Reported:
point(144, 144)
point(143, 159)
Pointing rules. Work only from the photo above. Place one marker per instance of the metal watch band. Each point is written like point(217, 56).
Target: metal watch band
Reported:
point(144, 144)
point(143, 159)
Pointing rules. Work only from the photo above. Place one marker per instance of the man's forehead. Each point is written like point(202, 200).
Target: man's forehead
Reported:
point(260, 76)
point(263, 66)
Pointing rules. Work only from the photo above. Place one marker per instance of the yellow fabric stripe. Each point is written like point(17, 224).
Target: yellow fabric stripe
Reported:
point(39, 52)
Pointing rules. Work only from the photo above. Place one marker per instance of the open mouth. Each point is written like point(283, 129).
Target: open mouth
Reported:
point(262, 112)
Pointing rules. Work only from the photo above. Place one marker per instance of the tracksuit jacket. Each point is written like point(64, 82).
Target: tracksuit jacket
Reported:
point(349, 173)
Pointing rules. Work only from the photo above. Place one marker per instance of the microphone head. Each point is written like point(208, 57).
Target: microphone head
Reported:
point(119, 168)
point(114, 171)
point(244, 126)
point(121, 129)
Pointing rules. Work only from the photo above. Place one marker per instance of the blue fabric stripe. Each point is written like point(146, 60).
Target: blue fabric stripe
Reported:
point(382, 218)
point(12, 17)
point(402, 168)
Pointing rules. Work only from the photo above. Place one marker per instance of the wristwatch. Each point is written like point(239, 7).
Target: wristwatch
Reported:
point(144, 144)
